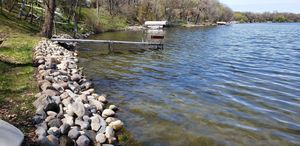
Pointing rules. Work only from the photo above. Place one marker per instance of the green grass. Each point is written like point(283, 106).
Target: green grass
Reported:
point(17, 90)
point(103, 22)
point(20, 39)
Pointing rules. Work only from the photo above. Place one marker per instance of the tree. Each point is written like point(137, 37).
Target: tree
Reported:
point(50, 7)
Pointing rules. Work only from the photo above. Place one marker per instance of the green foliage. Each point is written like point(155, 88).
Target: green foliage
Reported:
point(240, 17)
point(280, 18)
point(103, 22)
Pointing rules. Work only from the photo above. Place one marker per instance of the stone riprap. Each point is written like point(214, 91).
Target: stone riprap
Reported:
point(68, 110)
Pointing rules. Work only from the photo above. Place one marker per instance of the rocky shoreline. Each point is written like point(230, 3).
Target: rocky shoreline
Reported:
point(68, 110)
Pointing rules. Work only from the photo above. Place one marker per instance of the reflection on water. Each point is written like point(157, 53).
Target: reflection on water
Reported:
point(231, 85)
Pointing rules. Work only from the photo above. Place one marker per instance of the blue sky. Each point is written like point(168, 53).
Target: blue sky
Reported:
point(264, 5)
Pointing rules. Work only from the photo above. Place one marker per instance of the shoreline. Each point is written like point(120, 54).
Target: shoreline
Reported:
point(68, 109)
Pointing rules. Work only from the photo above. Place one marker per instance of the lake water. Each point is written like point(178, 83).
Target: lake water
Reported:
point(225, 85)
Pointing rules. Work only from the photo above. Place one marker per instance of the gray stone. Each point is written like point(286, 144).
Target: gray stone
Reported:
point(95, 124)
point(51, 113)
point(40, 131)
point(78, 109)
point(82, 124)
point(86, 118)
point(83, 141)
point(113, 107)
point(37, 119)
point(45, 85)
point(58, 87)
point(117, 125)
point(97, 104)
point(64, 128)
point(54, 131)
point(100, 137)
point(43, 141)
point(66, 141)
point(69, 110)
point(74, 133)
point(102, 98)
point(109, 132)
point(49, 104)
point(56, 99)
point(110, 119)
point(74, 86)
point(91, 135)
point(68, 120)
point(50, 92)
point(75, 77)
point(66, 101)
point(53, 139)
point(64, 95)
point(55, 123)
point(108, 113)
point(49, 118)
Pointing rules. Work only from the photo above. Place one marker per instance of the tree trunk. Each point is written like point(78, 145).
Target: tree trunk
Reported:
point(21, 9)
point(49, 17)
point(98, 10)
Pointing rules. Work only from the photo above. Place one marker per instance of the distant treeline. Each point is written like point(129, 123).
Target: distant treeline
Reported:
point(249, 17)
point(193, 11)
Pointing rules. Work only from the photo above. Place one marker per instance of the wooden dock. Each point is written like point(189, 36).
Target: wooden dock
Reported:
point(108, 42)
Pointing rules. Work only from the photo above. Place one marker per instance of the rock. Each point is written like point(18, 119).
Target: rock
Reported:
point(95, 122)
point(49, 104)
point(40, 131)
point(97, 104)
point(82, 124)
point(102, 98)
point(41, 112)
point(75, 77)
point(43, 141)
point(56, 99)
point(64, 128)
point(66, 101)
point(69, 110)
point(66, 141)
point(45, 85)
point(100, 137)
point(71, 94)
point(91, 135)
point(78, 109)
point(64, 95)
point(86, 85)
point(86, 118)
point(68, 120)
point(43, 125)
point(37, 119)
point(113, 107)
point(55, 123)
point(53, 139)
point(83, 141)
point(110, 119)
point(54, 131)
point(49, 118)
point(117, 125)
point(58, 87)
point(74, 87)
point(51, 113)
point(74, 133)
point(109, 132)
point(108, 113)
point(50, 92)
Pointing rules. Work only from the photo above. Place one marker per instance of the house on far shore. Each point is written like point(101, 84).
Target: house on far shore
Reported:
point(155, 24)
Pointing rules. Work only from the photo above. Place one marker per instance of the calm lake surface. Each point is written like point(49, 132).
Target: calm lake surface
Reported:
point(225, 85)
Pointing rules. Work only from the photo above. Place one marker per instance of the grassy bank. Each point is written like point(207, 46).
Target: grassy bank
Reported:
point(20, 37)
point(17, 84)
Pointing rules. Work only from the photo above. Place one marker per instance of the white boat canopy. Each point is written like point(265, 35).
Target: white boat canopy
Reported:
point(156, 23)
